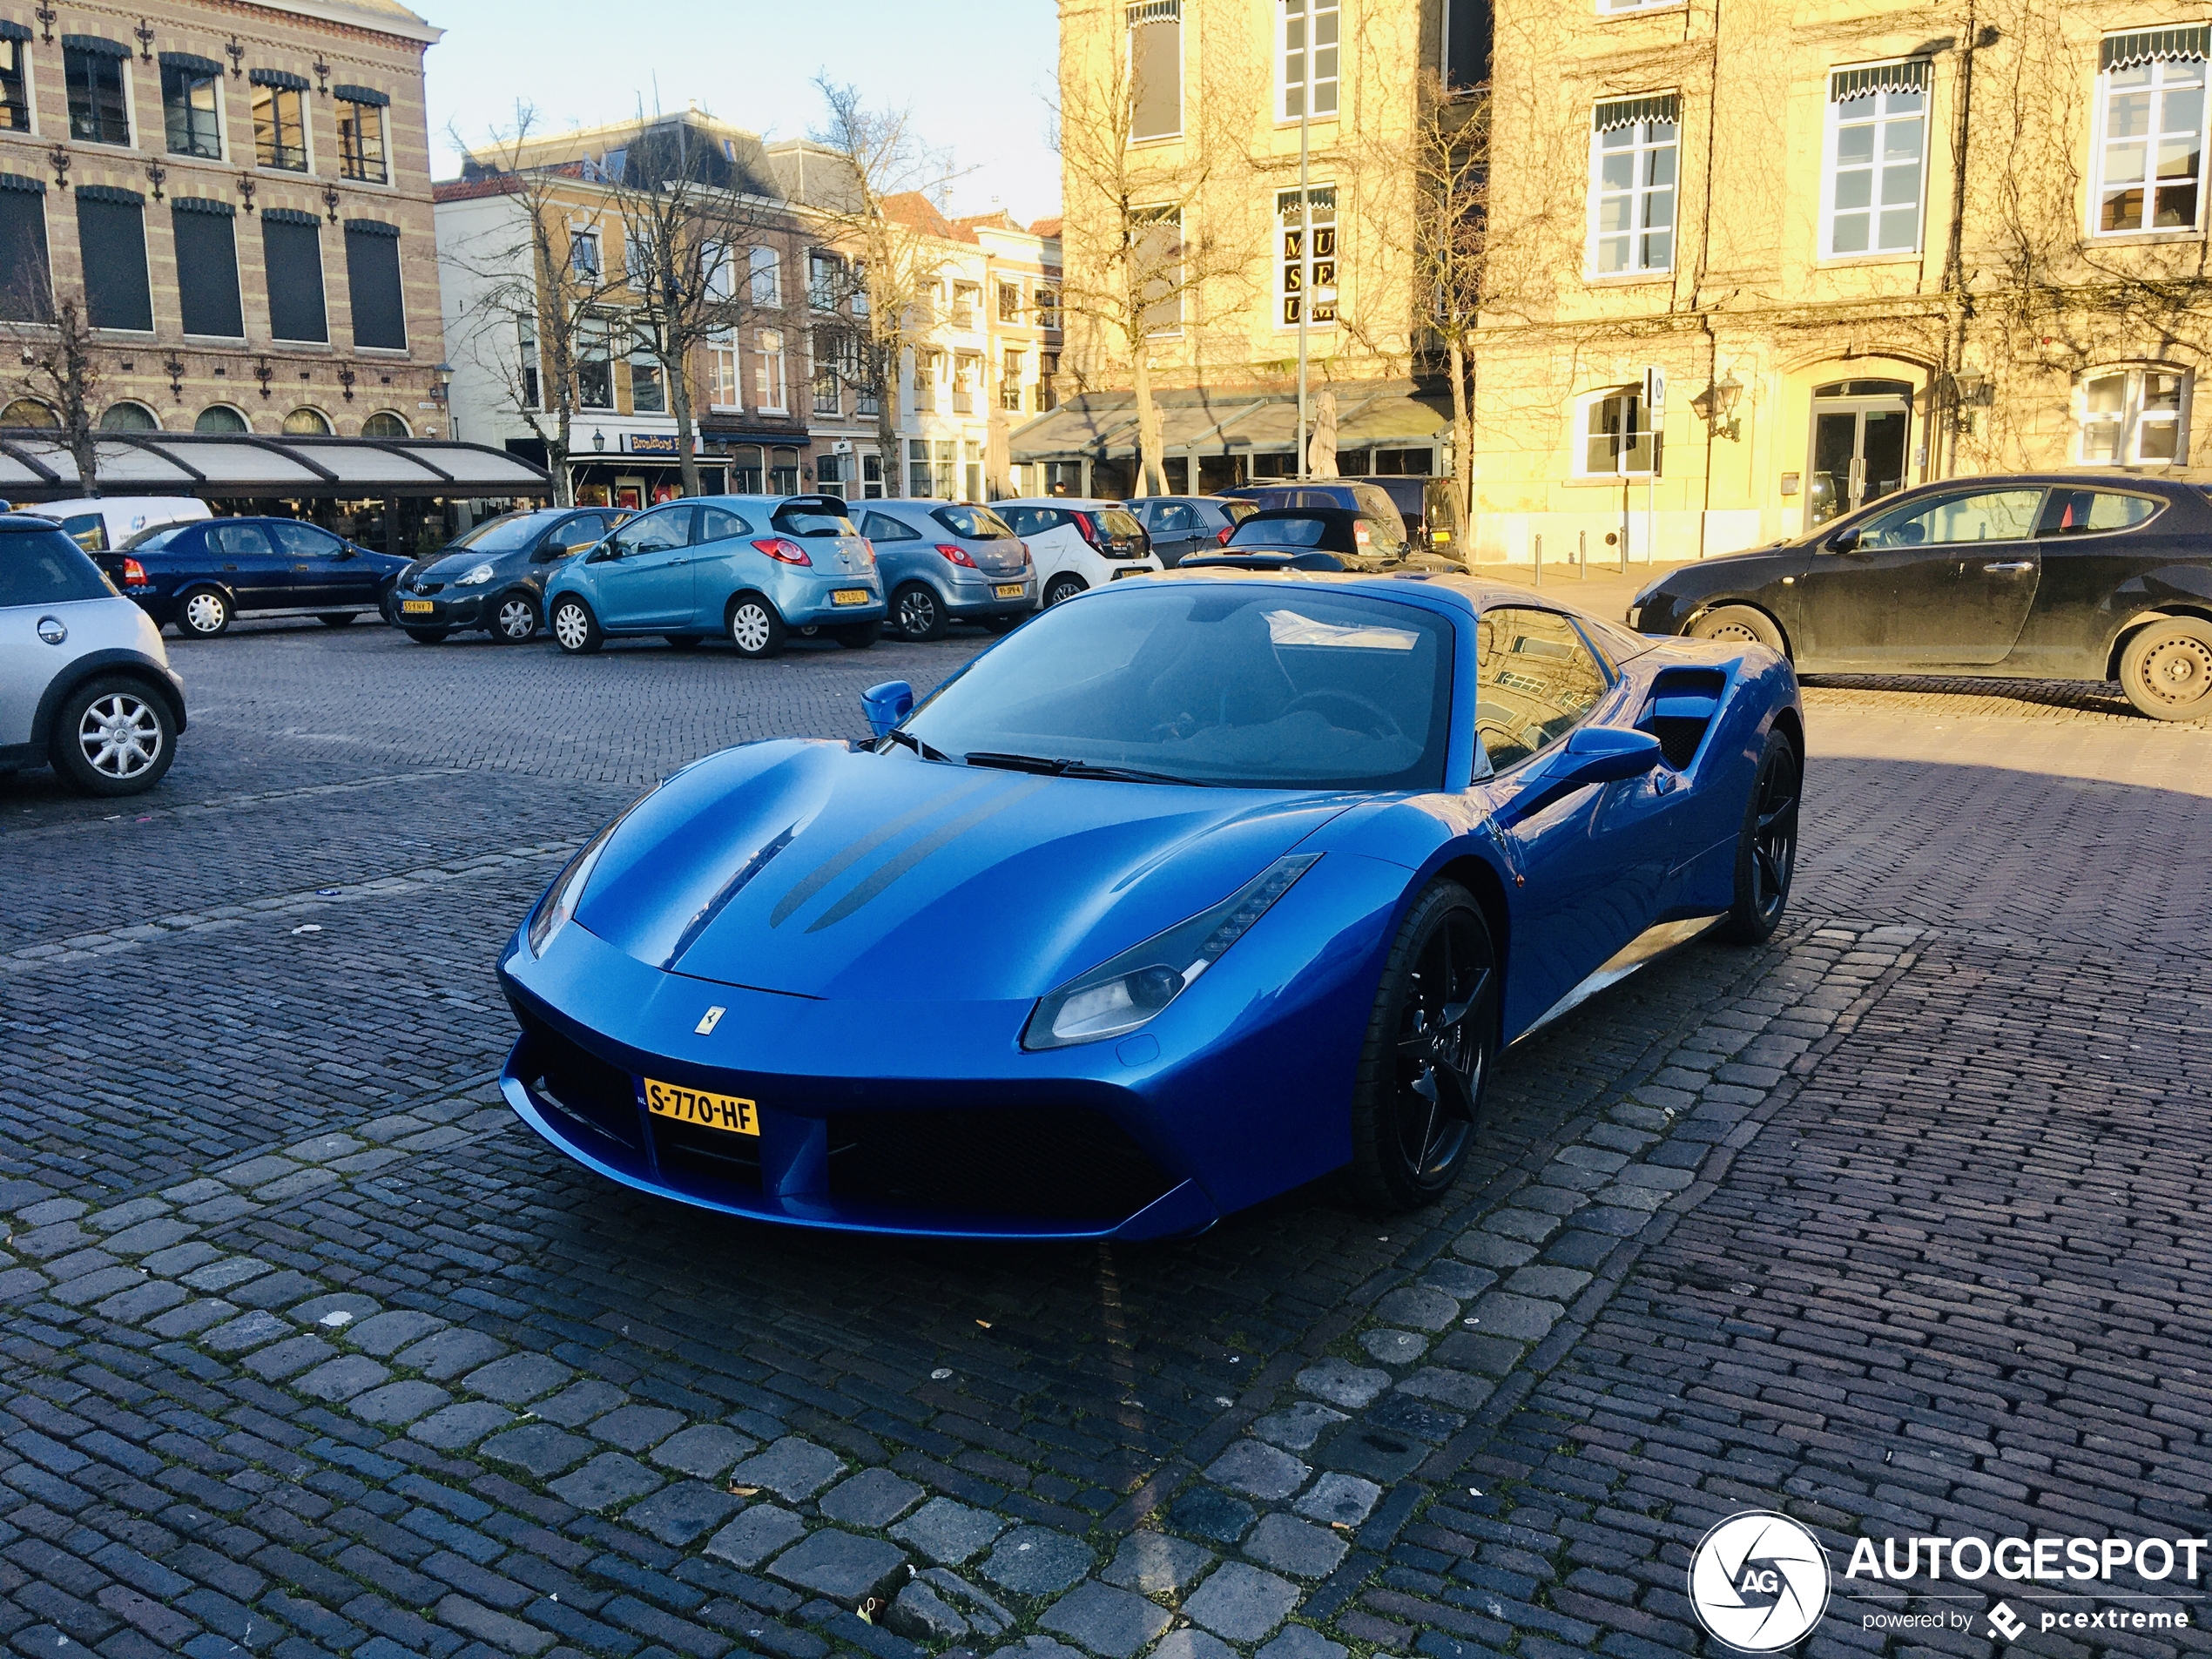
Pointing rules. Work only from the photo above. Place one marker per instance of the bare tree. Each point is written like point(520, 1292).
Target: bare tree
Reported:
point(882, 212)
point(61, 370)
point(1135, 267)
point(1450, 165)
point(690, 220)
point(543, 294)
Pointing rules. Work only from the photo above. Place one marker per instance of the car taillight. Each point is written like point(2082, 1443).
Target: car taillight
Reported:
point(134, 574)
point(1087, 530)
point(956, 555)
point(1224, 533)
point(782, 551)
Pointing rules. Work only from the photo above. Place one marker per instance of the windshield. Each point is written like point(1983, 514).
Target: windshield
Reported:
point(976, 523)
point(1119, 521)
point(502, 535)
point(1281, 688)
point(809, 521)
point(1280, 532)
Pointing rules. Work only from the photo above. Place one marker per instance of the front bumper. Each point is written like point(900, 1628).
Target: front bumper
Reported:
point(446, 610)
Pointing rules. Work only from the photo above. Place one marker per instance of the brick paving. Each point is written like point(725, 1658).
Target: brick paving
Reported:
point(308, 1347)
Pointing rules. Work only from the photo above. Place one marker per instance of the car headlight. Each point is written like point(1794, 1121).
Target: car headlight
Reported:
point(555, 909)
point(476, 578)
point(1121, 994)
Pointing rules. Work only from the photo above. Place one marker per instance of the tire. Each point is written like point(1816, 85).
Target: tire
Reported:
point(428, 635)
point(1417, 1101)
point(755, 629)
point(575, 630)
point(515, 620)
point(1741, 623)
point(1063, 587)
point(1766, 845)
point(336, 618)
point(682, 642)
point(2167, 669)
point(204, 613)
point(860, 636)
point(1003, 624)
point(113, 737)
point(917, 613)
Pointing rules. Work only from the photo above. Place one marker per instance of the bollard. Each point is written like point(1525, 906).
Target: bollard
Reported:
point(1540, 561)
point(1581, 555)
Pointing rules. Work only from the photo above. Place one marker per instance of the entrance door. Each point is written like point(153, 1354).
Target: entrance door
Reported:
point(1860, 432)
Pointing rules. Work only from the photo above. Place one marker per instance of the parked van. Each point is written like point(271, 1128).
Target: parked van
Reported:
point(107, 523)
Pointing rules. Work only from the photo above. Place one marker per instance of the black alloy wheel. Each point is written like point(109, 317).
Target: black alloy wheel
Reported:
point(1766, 849)
point(1417, 1104)
point(917, 612)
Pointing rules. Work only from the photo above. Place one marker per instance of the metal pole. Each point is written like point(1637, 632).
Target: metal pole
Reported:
point(1540, 561)
point(1304, 234)
point(1581, 555)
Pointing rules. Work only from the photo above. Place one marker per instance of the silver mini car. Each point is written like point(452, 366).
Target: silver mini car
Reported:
point(85, 685)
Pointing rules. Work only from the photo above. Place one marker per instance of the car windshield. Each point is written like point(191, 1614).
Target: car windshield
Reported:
point(812, 521)
point(1280, 532)
point(1287, 687)
point(1238, 511)
point(502, 535)
point(1119, 521)
point(976, 523)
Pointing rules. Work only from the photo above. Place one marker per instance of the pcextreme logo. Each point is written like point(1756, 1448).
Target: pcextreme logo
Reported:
point(1759, 1582)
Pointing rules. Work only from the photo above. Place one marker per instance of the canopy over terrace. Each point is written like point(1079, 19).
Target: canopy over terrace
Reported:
point(224, 467)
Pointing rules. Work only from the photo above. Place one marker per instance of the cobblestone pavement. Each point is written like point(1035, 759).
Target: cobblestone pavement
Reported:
point(1896, 1224)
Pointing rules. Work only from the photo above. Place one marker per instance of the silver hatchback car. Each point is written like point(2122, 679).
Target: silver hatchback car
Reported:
point(85, 685)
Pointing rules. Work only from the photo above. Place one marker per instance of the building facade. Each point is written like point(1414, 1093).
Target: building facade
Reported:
point(236, 200)
point(776, 405)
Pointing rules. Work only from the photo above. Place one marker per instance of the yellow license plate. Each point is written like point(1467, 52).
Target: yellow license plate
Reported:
point(731, 1113)
point(1007, 590)
point(850, 597)
point(416, 607)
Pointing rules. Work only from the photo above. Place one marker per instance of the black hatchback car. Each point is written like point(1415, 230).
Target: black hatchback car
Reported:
point(204, 575)
point(493, 576)
point(2042, 575)
point(1319, 538)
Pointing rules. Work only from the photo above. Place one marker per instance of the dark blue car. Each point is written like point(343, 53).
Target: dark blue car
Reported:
point(1190, 890)
point(203, 576)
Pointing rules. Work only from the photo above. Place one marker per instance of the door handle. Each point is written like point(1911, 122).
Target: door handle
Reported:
point(2010, 565)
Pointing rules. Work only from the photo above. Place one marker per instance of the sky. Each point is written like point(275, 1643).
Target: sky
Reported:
point(976, 74)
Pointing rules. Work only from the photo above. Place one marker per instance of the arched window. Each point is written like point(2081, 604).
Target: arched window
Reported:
point(221, 417)
point(307, 423)
point(27, 411)
point(384, 424)
point(2132, 417)
point(128, 417)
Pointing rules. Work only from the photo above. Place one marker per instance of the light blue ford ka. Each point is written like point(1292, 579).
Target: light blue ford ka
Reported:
point(751, 568)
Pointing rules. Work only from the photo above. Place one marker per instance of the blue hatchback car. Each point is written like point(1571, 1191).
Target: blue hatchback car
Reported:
point(751, 568)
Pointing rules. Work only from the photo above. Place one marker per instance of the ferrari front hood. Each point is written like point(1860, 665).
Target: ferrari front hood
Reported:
point(811, 870)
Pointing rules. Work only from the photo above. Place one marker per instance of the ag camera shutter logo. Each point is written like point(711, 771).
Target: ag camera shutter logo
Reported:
point(1759, 1582)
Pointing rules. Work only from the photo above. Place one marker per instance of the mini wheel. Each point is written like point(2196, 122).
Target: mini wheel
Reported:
point(113, 737)
point(2167, 669)
point(514, 619)
point(755, 629)
point(204, 613)
point(575, 629)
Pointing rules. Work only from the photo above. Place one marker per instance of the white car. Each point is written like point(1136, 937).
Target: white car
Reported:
point(1078, 544)
point(108, 524)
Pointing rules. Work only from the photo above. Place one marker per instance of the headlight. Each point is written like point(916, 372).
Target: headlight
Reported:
point(1126, 992)
point(558, 906)
point(476, 578)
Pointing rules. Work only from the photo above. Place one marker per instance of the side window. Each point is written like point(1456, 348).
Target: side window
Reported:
point(46, 567)
point(656, 532)
point(304, 540)
point(2090, 512)
point(1173, 518)
point(1534, 681)
point(580, 531)
point(1978, 515)
point(719, 524)
point(881, 526)
point(239, 540)
point(1030, 521)
point(88, 531)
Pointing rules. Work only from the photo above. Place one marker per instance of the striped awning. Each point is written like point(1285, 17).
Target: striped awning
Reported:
point(1911, 76)
point(2123, 51)
point(1155, 11)
point(1664, 108)
point(283, 78)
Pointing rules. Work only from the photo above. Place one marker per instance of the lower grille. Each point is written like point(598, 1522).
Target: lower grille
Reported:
point(581, 1088)
point(710, 1158)
point(1075, 1164)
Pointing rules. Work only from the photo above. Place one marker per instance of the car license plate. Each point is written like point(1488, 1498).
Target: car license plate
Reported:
point(416, 607)
point(731, 1113)
point(1007, 590)
point(850, 597)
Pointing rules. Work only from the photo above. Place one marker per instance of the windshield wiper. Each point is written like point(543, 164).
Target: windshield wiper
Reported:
point(1074, 769)
point(916, 744)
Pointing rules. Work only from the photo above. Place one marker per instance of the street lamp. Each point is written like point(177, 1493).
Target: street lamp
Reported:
point(1716, 405)
point(598, 439)
point(443, 390)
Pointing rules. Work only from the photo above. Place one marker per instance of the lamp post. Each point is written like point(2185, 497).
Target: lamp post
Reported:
point(1304, 232)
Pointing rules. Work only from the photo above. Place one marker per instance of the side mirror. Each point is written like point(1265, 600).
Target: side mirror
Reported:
point(1842, 542)
point(601, 552)
point(889, 704)
point(347, 551)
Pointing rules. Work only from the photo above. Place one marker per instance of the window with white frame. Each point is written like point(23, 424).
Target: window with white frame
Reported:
point(1157, 234)
point(648, 387)
point(1634, 142)
point(1300, 280)
point(724, 389)
point(1155, 70)
point(769, 390)
point(1306, 58)
point(637, 261)
point(2151, 131)
point(1877, 146)
point(829, 392)
point(767, 278)
point(583, 255)
point(2133, 416)
point(718, 273)
point(1616, 439)
point(825, 273)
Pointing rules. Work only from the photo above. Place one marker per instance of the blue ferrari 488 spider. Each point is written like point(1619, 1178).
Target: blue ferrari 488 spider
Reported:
point(1183, 895)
